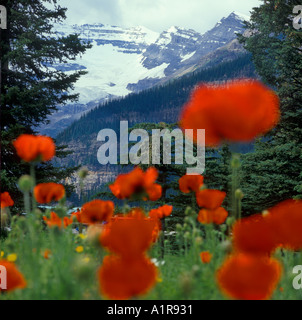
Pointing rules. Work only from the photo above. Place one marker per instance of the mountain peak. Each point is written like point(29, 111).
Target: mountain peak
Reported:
point(130, 59)
point(240, 16)
point(172, 29)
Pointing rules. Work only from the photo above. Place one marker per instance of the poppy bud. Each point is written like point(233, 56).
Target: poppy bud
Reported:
point(187, 235)
point(26, 183)
point(235, 162)
point(83, 173)
point(226, 246)
point(196, 232)
point(187, 219)
point(178, 227)
point(185, 226)
point(230, 221)
point(198, 241)
point(188, 211)
point(195, 269)
point(238, 194)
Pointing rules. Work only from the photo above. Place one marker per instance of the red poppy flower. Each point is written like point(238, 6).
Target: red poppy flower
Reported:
point(249, 277)
point(97, 211)
point(77, 215)
point(32, 148)
point(137, 181)
point(14, 278)
point(217, 216)
point(122, 279)
point(206, 256)
point(129, 236)
point(150, 177)
point(161, 212)
point(47, 192)
point(154, 192)
point(6, 200)
point(210, 199)
point(67, 221)
point(254, 235)
point(188, 183)
point(285, 220)
point(55, 220)
point(127, 183)
point(238, 111)
point(47, 254)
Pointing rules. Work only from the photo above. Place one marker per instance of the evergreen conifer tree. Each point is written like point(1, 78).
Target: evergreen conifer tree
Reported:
point(30, 89)
point(273, 172)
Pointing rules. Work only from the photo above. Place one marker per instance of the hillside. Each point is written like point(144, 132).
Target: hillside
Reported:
point(158, 104)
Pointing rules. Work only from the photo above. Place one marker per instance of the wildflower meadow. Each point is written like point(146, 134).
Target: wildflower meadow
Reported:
point(149, 166)
point(105, 251)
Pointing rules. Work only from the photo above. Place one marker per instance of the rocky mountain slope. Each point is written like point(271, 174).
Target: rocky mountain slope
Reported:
point(122, 61)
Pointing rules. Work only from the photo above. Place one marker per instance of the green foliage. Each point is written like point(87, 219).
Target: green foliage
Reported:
point(273, 172)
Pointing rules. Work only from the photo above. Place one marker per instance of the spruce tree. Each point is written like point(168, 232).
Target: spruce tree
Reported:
point(30, 88)
point(216, 174)
point(273, 172)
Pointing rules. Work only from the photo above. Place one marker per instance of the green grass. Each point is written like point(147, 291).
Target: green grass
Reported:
point(68, 275)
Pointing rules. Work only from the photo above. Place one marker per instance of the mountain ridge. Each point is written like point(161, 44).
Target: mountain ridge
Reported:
point(125, 60)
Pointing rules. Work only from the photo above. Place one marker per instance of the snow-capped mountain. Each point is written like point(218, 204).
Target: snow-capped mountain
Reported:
point(113, 60)
point(125, 60)
point(178, 46)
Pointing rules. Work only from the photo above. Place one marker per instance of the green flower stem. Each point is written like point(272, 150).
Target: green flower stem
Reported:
point(209, 229)
point(82, 192)
point(125, 207)
point(234, 185)
point(239, 207)
point(193, 200)
point(26, 202)
point(235, 165)
point(162, 238)
point(33, 175)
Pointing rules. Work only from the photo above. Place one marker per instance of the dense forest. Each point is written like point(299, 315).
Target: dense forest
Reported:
point(159, 104)
point(157, 107)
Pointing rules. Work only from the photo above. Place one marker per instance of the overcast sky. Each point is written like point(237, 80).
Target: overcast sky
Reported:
point(157, 15)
